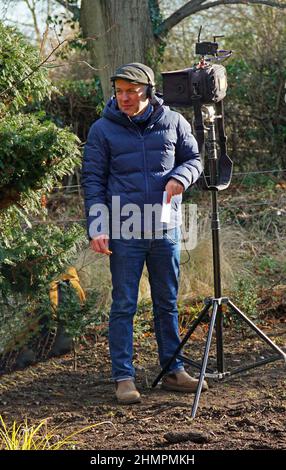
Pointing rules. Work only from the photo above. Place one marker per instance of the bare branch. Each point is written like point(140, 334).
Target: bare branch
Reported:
point(44, 40)
point(17, 22)
point(195, 6)
point(32, 9)
point(75, 62)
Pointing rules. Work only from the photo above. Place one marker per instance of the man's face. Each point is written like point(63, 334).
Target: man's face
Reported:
point(131, 97)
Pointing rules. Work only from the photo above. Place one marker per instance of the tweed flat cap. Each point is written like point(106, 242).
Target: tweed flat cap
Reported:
point(136, 73)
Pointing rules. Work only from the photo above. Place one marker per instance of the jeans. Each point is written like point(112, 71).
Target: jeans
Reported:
point(162, 257)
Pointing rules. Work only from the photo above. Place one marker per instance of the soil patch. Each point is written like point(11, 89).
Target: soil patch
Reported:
point(245, 411)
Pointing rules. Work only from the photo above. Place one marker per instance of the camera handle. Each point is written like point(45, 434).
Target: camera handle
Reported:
point(214, 117)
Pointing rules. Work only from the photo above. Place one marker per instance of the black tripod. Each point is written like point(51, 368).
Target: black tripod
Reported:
point(213, 305)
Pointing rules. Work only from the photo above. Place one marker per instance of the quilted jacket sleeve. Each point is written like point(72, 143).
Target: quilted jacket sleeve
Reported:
point(188, 162)
point(95, 170)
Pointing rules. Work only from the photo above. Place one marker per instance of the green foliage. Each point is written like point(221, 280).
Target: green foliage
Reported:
point(255, 105)
point(270, 265)
point(84, 89)
point(187, 314)
point(155, 14)
point(77, 103)
point(156, 19)
point(14, 219)
point(74, 316)
point(34, 154)
point(18, 322)
point(27, 267)
point(37, 255)
point(238, 72)
point(19, 60)
point(245, 295)
point(261, 180)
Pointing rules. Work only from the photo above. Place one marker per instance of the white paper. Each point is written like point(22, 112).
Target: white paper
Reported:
point(166, 209)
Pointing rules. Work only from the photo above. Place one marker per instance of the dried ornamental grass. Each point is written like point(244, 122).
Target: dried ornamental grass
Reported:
point(37, 437)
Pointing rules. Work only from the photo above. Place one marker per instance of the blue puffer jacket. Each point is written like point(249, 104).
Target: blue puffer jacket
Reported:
point(121, 160)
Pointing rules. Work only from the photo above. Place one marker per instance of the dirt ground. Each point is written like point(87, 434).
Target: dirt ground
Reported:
point(245, 411)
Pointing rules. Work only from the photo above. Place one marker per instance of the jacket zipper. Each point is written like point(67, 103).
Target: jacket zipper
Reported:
point(144, 158)
point(145, 171)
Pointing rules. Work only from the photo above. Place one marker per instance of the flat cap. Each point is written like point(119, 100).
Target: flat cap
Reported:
point(136, 73)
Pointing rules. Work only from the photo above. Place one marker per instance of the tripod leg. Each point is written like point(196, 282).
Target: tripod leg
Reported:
point(205, 360)
point(182, 344)
point(256, 329)
point(219, 340)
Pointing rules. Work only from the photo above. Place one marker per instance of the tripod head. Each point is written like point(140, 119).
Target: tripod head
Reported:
point(209, 113)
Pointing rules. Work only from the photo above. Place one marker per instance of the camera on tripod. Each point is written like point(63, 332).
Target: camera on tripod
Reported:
point(204, 87)
point(204, 81)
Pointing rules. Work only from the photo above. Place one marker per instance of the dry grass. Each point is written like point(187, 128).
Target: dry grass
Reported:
point(39, 436)
point(196, 272)
point(93, 271)
point(197, 264)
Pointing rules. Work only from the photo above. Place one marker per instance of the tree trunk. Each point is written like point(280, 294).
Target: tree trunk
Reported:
point(118, 35)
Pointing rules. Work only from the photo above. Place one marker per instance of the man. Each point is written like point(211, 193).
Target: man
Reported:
point(135, 152)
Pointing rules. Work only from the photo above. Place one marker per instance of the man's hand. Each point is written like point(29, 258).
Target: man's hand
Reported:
point(173, 187)
point(100, 244)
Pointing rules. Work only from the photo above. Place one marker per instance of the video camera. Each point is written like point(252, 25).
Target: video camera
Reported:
point(205, 81)
point(204, 87)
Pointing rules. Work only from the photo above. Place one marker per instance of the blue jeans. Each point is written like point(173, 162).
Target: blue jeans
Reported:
point(162, 257)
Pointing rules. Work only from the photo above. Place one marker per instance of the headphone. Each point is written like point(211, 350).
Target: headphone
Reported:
point(150, 92)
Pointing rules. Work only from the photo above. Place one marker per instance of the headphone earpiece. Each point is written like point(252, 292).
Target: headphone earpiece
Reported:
point(150, 92)
point(113, 90)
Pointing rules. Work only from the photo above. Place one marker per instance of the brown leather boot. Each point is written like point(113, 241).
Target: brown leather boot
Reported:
point(126, 392)
point(181, 381)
